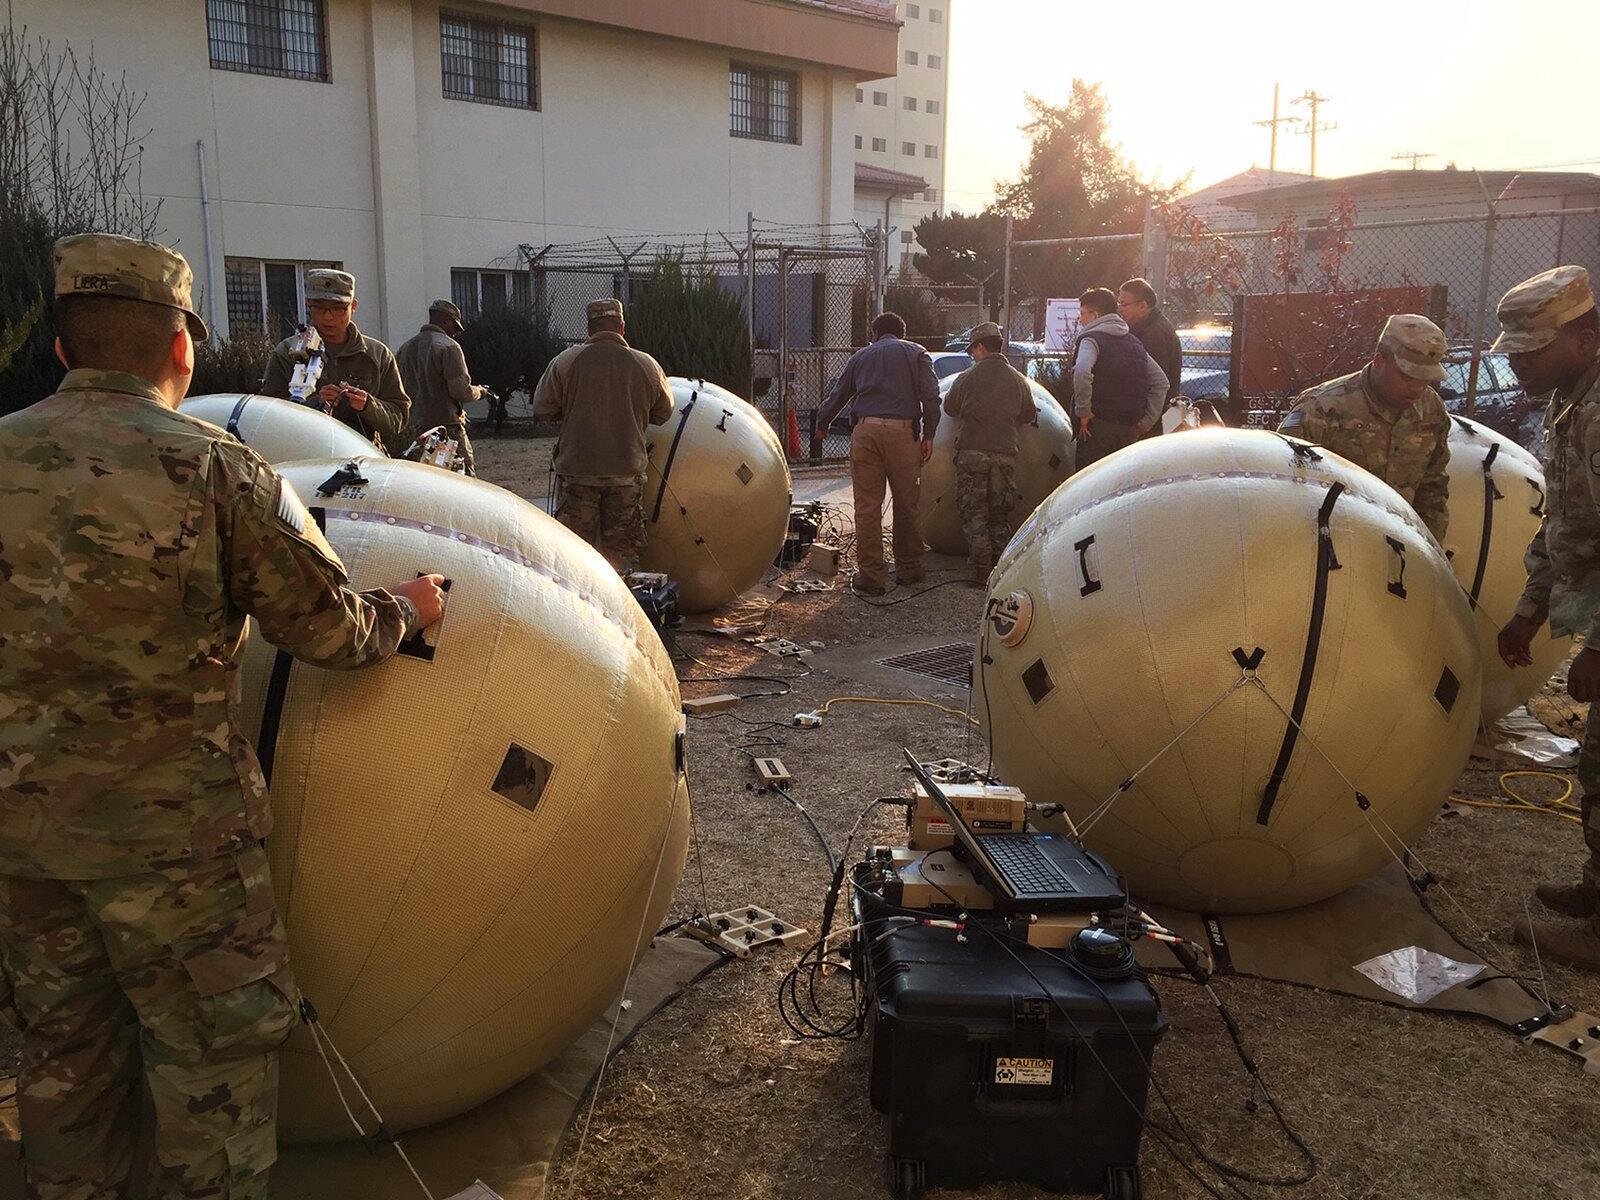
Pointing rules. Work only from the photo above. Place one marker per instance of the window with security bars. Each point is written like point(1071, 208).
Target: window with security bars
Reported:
point(267, 297)
point(765, 103)
point(475, 292)
point(269, 37)
point(489, 62)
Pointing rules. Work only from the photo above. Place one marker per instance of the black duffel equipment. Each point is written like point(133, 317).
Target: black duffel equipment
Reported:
point(804, 521)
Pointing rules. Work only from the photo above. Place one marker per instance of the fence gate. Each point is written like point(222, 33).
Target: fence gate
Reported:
point(824, 307)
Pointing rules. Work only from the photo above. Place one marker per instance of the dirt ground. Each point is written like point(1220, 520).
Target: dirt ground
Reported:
point(716, 1098)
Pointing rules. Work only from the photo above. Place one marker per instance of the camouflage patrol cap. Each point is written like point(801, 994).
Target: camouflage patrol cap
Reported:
point(448, 308)
point(1416, 344)
point(1533, 312)
point(605, 308)
point(986, 330)
point(326, 284)
point(107, 264)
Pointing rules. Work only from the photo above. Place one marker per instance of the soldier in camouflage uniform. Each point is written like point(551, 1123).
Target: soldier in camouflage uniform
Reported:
point(1387, 418)
point(137, 921)
point(1551, 333)
point(989, 401)
point(360, 381)
point(605, 394)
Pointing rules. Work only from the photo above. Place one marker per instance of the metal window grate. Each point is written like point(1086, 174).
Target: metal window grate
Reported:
point(765, 104)
point(950, 664)
point(243, 282)
point(489, 62)
point(269, 37)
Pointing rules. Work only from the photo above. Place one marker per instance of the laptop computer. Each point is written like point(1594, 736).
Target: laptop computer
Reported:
point(1043, 872)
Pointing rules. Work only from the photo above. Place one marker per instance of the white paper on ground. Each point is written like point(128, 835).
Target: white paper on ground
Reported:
point(1416, 974)
point(478, 1191)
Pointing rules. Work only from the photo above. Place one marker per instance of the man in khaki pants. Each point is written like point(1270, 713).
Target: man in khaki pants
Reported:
point(893, 396)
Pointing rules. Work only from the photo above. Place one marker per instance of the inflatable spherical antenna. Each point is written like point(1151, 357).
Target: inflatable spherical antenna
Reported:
point(1246, 671)
point(280, 430)
point(1497, 500)
point(716, 501)
point(475, 838)
point(1045, 457)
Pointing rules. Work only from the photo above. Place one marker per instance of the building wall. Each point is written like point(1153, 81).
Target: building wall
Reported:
point(894, 124)
point(375, 169)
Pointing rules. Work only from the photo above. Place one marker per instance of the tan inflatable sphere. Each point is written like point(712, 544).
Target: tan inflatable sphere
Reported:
point(474, 838)
point(1496, 504)
point(717, 499)
point(279, 430)
point(1152, 583)
point(1045, 457)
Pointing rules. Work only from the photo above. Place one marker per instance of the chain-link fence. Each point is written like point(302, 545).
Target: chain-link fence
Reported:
point(1266, 313)
point(806, 295)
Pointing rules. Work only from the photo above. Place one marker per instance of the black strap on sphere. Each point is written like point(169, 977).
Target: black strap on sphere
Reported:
point(1327, 562)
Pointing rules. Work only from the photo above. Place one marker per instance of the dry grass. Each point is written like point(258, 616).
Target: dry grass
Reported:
point(716, 1099)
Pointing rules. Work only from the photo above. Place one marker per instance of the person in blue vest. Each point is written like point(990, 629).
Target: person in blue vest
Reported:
point(1117, 388)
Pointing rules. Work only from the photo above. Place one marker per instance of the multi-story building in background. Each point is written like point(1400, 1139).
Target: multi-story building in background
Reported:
point(421, 143)
point(900, 132)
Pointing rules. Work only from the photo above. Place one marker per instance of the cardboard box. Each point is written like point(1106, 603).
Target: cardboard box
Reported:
point(983, 806)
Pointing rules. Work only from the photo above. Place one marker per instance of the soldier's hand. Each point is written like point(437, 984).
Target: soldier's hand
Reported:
point(927, 449)
point(1583, 677)
point(1516, 641)
point(1083, 427)
point(427, 595)
point(356, 397)
point(328, 396)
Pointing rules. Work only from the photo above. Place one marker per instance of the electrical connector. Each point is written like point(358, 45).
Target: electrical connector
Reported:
point(808, 720)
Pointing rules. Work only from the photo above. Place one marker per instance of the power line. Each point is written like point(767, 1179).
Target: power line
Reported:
point(1414, 156)
point(1313, 128)
point(1272, 158)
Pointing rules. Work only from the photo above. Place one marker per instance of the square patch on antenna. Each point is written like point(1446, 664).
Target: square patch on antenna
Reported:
point(1037, 680)
point(1055, 462)
point(744, 473)
point(1447, 691)
point(522, 777)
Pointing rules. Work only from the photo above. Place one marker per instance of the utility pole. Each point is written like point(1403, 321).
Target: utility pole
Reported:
point(1312, 126)
point(1412, 155)
point(1272, 157)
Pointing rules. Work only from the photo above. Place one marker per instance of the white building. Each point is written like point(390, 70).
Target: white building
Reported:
point(418, 144)
point(900, 131)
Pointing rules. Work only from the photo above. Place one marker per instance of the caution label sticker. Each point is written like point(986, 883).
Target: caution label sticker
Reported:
point(1025, 1072)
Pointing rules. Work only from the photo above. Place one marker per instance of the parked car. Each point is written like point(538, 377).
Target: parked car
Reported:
point(1499, 401)
point(1206, 348)
point(950, 362)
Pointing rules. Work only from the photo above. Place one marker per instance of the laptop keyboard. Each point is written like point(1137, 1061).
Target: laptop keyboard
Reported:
point(1026, 866)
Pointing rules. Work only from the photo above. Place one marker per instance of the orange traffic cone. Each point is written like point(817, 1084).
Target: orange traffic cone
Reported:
point(795, 450)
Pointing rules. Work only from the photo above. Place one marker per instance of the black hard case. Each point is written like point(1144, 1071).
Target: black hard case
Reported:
point(944, 1011)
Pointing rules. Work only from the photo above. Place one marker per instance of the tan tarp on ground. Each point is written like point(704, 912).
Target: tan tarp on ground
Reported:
point(508, 1142)
point(1319, 946)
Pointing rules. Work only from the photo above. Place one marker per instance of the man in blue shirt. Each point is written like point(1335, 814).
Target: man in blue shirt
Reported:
point(893, 397)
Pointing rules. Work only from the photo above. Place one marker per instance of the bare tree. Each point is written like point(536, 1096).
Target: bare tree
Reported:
point(71, 158)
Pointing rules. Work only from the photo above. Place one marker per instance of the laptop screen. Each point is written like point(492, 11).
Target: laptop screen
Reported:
point(942, 802)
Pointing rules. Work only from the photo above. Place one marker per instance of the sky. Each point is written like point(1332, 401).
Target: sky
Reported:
point(1508, 84)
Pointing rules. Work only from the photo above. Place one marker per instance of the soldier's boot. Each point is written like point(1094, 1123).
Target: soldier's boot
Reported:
point(1575, 945)
point(1570, 899)
point(908, 575)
